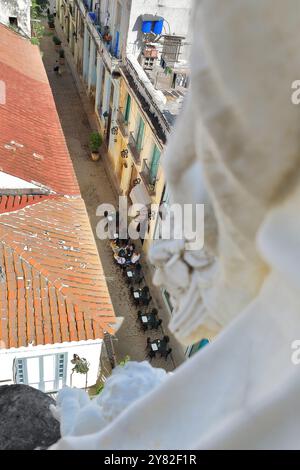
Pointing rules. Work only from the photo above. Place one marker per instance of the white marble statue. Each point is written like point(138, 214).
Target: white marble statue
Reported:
point(237, 148)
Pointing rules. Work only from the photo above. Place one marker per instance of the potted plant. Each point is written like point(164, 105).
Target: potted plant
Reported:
point(51, 21)
point(106, 35)
point(57, 43)
point(61, 57)
point(107, 38)
point(95, 144)
point(168, 71)
point(81, 365)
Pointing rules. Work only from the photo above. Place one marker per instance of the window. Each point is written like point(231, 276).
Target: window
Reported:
point(154, 165)
point(148, 63)
point(140, 134)
point(111, 95)
point(13, 21)
point(102, 90)
point(168, 300)
point(46, 373)
point(61, 366)
point(195, 347)
point(20, 372)
point(127, 108)
point(81, 29)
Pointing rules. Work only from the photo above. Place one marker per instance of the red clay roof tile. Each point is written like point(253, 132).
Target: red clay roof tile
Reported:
point(54, 283)
point(32, 144)
point(52, 286)
point(10, 203)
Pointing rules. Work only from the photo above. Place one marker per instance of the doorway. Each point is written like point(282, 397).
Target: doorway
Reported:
point(110, 110)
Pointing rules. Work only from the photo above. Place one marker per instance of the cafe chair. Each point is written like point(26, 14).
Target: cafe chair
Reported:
point(139, 316)
point(148, 343)
point(144, 327)
point(151, 354)
point(146, 302)
point(157, 324)
point(166, 353)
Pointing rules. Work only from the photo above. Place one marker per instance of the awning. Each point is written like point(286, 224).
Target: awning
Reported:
point(139, 195)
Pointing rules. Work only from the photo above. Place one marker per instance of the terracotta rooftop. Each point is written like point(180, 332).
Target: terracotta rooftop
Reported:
point(10, 203)
point(52, 285)
point(32, 144)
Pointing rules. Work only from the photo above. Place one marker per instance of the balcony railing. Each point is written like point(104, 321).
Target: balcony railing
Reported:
point(134, 150)
point(104, 48)
point(148, 178)
point(122, 123)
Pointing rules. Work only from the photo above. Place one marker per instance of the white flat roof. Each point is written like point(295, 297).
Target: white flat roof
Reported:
point(12, 182)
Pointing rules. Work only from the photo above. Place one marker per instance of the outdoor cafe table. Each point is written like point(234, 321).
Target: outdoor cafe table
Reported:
point(158, 345)
point(137, 294)
point(148, 319)
point(133, 276)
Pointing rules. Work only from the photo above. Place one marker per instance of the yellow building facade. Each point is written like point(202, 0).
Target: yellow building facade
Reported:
point(136, 155)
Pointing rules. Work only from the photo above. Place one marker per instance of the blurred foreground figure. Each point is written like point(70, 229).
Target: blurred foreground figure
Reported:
point(236, 148)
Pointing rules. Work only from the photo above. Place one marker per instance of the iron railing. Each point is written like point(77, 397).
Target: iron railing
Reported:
point(122, 123)
point(148, 178)
point(104, 49)
point(134, 149)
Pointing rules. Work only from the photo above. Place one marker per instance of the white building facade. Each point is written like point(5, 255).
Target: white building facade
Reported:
point(48, 367)
point(16, 14)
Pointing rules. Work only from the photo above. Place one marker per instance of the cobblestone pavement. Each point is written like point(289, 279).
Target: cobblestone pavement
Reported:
point(96, 189)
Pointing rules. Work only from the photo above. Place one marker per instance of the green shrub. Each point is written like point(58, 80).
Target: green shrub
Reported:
point(62, 54)
point(56, 41)
point(99, 388)
point(95, 141)
point(124, 361)
point(168, 71)
point(81, 365)
point(35, 41)
point(51, 22)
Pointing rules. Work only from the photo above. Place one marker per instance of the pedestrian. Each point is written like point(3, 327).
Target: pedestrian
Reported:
point(120, 259)
point(135, 257)
point(56, 69)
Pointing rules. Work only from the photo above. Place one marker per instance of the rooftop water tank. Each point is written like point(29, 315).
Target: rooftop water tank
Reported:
point(158, 26)
point(146, 26)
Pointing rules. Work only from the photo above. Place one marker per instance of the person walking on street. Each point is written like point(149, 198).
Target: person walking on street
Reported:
point(56, 68)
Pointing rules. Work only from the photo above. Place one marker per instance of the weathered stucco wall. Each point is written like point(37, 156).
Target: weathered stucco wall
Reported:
point(19, 9)
point(176, 14)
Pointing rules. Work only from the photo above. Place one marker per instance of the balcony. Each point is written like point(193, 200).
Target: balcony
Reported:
point(134, 150)
point(104, 48)
point(148, 179)
point(123, 125)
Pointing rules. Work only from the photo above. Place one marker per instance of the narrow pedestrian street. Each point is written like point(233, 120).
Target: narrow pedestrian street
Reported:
point(96, 189)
